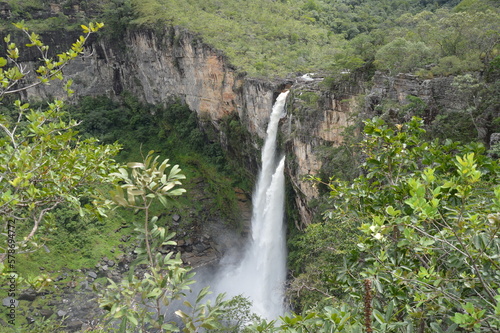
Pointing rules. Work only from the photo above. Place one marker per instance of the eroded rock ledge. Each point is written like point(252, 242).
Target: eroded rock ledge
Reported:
point(171, 64)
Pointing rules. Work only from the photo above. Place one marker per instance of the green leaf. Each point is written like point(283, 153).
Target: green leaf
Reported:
point(134, 165)
point(132, 319)
point(204, 292)
point(389, 312)
point(119, 197)
point(178, 191)
point(123, 325)
point(181, 314)
point(208, 326)
point(163, 200)
point(379, 316)
point(16, 181)
point(391, 211)
point(452, 328)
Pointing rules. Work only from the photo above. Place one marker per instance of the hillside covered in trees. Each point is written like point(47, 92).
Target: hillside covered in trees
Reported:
point(405, 232)
point(267, 38)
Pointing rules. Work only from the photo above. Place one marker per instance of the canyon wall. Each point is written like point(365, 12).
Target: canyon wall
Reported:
point(162, 66)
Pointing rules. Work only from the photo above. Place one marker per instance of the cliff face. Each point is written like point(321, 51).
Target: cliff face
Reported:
point(438, 93)
point(161, 66)
point(318, 116)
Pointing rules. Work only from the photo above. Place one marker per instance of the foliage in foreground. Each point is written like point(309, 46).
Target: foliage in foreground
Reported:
point(146, 302)
point(48, 168)
point(429, 217)
point(43, 163)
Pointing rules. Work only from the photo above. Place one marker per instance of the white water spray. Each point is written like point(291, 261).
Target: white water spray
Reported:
point(261, 274)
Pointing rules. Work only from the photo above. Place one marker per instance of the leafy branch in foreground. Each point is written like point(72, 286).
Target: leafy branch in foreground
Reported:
point(430, 220)
point(141, 304)
point(12, 71)
point(43, 161)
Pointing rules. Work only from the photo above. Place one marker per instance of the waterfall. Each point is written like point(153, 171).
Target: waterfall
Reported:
point(261, 273)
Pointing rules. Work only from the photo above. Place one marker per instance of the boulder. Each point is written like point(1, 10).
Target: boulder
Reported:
point(74, 325)
point(8, 301)
point(27, 295)
point(62, 313)
point(46, 313)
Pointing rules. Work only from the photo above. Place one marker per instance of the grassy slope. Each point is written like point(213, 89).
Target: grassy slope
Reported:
point(267, 38)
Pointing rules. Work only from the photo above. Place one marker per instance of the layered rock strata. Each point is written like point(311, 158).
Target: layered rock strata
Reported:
point(165, 65)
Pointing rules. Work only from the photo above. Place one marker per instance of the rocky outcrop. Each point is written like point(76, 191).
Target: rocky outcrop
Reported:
point(437, 93)
point(316, 118)
point(318, 115)
point(160, 66)
point(172, 64)
point(169, 64)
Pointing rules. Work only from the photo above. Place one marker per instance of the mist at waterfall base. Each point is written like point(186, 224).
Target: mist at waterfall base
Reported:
point(260, 273)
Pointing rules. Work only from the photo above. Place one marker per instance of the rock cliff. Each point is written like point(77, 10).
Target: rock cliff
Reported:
point(160, 66)
point(164, 65)
point(316, 117)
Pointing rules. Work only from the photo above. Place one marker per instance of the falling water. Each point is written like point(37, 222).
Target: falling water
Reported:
point(261, 274)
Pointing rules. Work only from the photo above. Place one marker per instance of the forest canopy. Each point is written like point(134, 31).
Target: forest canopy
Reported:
point(270, 38)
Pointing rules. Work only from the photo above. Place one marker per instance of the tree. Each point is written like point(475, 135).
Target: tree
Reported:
point(430, 218)
point(13, 73)
point(401, 56)
point(142, 304)
point(43, 162)
point(427, 255)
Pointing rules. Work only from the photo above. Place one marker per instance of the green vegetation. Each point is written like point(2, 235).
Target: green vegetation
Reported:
point(54, 179)
point(140, 127)
point(271, 38)
point(44, 164)
point(293, 36)
point(48, 173)
point(140, 304)
point(408, 241)
point(419, 227)
point(137, 128)
point(165, 279)
point(265, 38)
point(72, 242)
